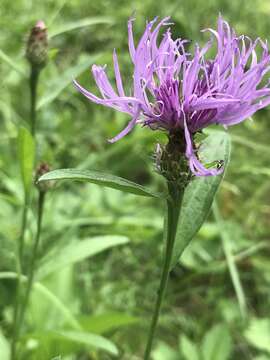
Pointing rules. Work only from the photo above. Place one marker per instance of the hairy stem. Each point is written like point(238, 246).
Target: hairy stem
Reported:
point(170, 227)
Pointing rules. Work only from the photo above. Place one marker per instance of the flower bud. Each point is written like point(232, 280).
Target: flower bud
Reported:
point(170, 160)
point(43, 186)
point(37, 45)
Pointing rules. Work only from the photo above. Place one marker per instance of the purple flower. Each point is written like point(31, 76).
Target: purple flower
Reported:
point(173, 90)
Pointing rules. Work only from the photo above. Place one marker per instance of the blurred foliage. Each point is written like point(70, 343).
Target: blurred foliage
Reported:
point(109, 294)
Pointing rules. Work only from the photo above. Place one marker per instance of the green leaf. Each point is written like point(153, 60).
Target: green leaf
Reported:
point(91, 340)
point(100, 324)
point(258, 334)
point(78, 24)
point(26, 157)
point(60, 82)
point(4, 347)
point(189, 349)
point(200, 193)
point(100, 178)
point(78, 251)
point(58, 304)
point(164, 351)
point(45, 292)
point(217, 343)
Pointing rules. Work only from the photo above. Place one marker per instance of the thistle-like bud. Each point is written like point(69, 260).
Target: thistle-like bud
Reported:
point(37, 45)
point(43, 186)
point(170, 159)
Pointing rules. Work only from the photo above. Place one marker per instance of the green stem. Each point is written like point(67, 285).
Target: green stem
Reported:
point(31, 271)
point(19, 271)
point(33, 82)
point(23, 229)
point(33, 90)
point(170, 227)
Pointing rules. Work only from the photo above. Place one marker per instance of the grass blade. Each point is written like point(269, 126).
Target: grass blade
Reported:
point(7, 59)
point(75, 25)
point(59, 83)
point(226, 243)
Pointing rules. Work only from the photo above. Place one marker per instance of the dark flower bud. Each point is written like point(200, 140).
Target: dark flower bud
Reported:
point(170, 160)
point(43, 186)
point(37, 45)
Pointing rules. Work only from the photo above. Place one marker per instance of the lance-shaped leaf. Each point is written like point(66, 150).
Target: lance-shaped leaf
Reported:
point(200, 193)
point(89, 340)
point(78, 251)
point(99, 178)
point(26, 149)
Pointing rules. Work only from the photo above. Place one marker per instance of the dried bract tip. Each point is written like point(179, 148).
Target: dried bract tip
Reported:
point(37, 45)
point(158, 157)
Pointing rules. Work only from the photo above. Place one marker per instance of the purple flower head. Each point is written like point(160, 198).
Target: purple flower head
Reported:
point(173, 90)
